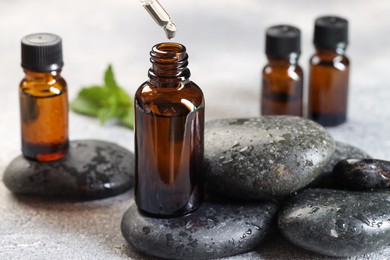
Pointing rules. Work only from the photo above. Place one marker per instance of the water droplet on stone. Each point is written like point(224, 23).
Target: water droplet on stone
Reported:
point(244, 149)
point(189, 224)
point(341, 224)
point(362, 219)
point(315, 209)
point(210, 223)
point(146, 230)
point(228, 161)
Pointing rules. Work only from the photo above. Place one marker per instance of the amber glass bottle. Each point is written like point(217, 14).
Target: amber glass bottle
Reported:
point(43, 99)
point(329, 72)
point(282, 84)
point(169, 125)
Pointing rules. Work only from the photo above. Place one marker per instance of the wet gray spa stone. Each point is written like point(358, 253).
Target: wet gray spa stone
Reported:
point(215, 229)
point(362, 174)
point(92, 169)
point(265, 157)
point(337, 223)
point(343, 151)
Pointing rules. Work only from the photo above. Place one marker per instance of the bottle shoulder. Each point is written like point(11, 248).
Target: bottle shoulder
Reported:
point(148, 91)
point(282, 66)
point(329, 58)
point(43, 86)
point(184, 98)
point(293, 71)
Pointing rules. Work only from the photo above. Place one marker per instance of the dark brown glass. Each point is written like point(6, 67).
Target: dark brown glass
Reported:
point(282, 88)
point(328, 87)
point(44, 115)
point(169, 129)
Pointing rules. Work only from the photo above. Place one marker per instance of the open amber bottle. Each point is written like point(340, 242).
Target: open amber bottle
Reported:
point(43, 99)
point(329, 72)
point(282, 77)
point(169, 129)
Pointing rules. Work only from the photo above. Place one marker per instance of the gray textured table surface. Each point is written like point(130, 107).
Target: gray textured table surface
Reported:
point(225, 41)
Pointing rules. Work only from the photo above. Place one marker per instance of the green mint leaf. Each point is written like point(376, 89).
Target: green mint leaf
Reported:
point(128, 118)
point(109, 78)
point(106, 114)
point(84, 106)
point(106, 102)
point(122, 97)
point(111, 110)
point(89, 100)
point(95, 94)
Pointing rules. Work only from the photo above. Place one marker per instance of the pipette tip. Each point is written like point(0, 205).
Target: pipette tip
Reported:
point(170, 30)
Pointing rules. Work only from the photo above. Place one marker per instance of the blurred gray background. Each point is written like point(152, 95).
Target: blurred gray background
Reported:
point(225, 42)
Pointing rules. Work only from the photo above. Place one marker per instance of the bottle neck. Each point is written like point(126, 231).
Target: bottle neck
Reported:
point(286, 61)
point(41, 76)
point(169, 65)
point(330, 52)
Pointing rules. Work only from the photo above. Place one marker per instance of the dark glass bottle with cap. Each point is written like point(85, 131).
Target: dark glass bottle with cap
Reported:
point(282, 77)
point(169, 129)
point(329, 72)
point(43, 98)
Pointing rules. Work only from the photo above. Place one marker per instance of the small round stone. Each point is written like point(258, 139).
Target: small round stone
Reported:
point(337, 223)
point(343, 151)
point(265, 157)
point(215, 229)
point(362, 174)
point(92, 169)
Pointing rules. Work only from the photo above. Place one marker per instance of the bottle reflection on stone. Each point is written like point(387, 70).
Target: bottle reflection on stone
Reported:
point(43, 99)
point(169, 126)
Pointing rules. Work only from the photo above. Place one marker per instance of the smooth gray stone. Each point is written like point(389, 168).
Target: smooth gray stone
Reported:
point(92, 169)
point(362, 174)
point(215, 229)
point(266, 157)
point(337, 223)
point(343, 151)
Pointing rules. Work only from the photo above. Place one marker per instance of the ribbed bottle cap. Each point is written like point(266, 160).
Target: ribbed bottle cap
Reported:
point(282, 40)
point(331, 32)
point(42, 52)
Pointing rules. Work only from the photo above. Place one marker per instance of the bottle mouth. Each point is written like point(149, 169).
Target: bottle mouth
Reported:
point(169, 63)
point(169, 50)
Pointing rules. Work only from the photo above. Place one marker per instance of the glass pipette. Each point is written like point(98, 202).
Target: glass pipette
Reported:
point(161, 16)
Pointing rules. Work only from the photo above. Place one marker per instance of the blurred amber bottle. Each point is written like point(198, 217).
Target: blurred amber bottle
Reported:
point(43, 98)
point(169, 126)
point(329, 72)
point(282, 77)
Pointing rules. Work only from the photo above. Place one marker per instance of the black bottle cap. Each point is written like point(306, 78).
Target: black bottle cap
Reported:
point(42, 52)
point(282, 40)
point(331, 32)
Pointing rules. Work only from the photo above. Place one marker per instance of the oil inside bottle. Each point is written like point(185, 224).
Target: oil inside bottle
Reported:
point(173, 170)
point(44, 126)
